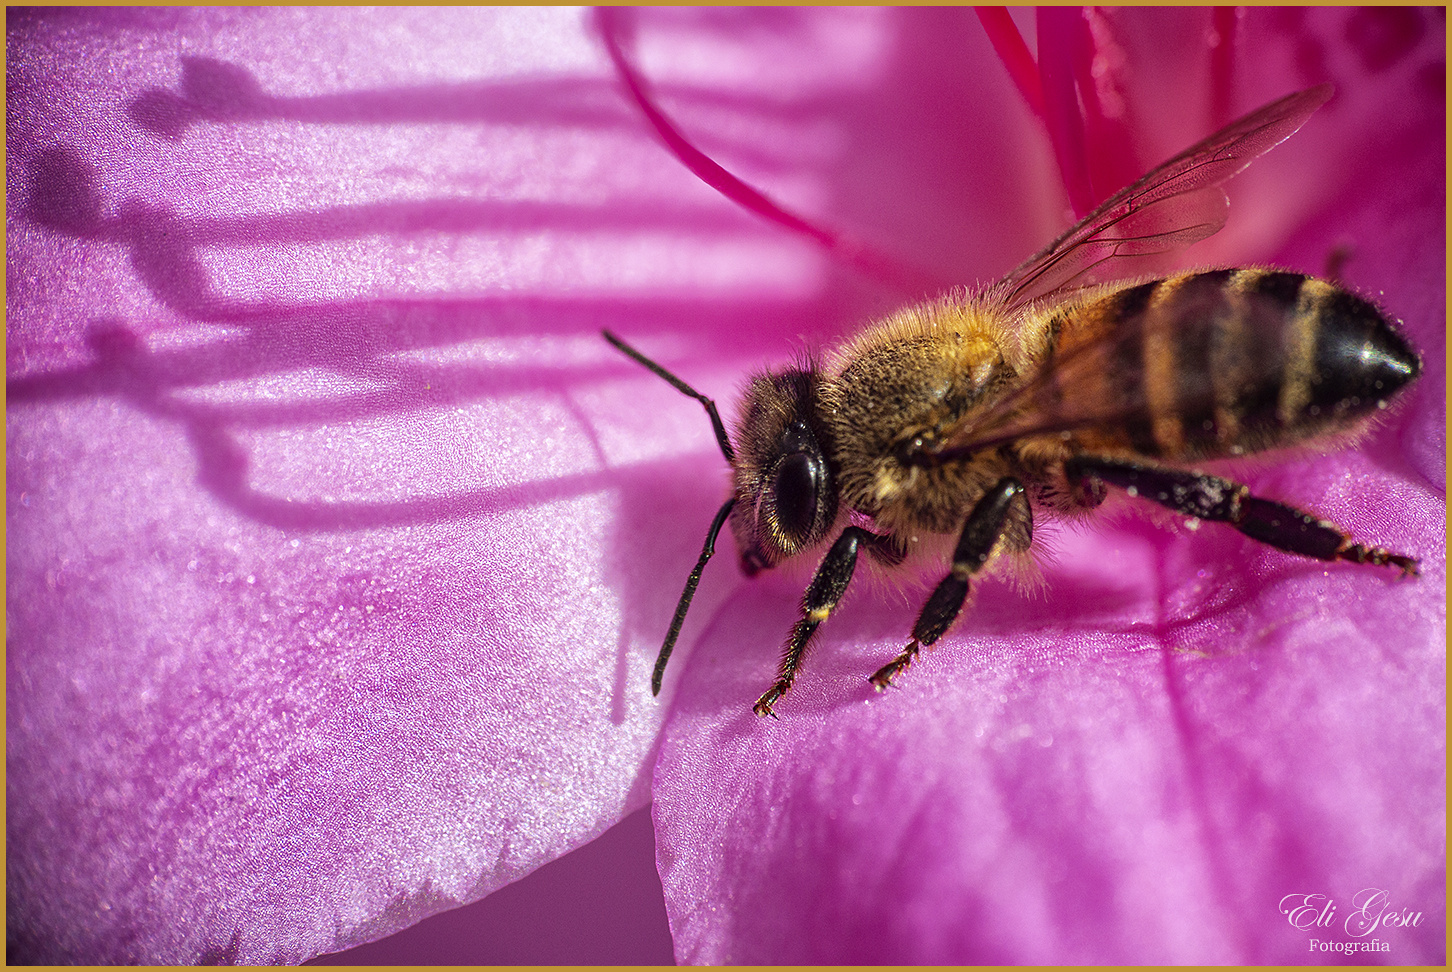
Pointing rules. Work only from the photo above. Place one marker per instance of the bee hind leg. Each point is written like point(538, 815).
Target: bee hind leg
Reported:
point(985, 527)
point(1219, 500)
point(828, 585)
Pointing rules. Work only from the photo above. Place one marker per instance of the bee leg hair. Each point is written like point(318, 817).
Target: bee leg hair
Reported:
point(983, 530)
point(1223, 501)
point(826, 589)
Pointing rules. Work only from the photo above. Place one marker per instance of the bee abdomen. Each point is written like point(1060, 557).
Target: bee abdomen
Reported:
point(1360, 359)
point(1225, 362)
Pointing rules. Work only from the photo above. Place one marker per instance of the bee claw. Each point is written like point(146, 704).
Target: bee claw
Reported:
point(768, 700)
point(882, 679)
point(1407, 565)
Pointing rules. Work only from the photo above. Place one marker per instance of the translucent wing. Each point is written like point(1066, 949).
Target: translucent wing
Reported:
point(1096, 377)
point(1067, 394)
point(1173, 206)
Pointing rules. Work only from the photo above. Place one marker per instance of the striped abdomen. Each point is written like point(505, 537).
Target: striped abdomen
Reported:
point(1224, 362)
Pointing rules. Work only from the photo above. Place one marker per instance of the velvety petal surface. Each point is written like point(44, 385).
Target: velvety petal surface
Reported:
point(318, 612)
point(1181, 731)
point(339, 543)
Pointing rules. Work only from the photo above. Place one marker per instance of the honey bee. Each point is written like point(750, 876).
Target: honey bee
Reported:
point(969, 415)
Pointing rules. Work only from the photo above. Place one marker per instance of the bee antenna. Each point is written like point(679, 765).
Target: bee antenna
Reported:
point(684, 604)
point(681, 386)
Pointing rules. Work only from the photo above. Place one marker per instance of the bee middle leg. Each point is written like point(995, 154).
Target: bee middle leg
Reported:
point(1219, 500)
point(985, 527)
point(828, 585)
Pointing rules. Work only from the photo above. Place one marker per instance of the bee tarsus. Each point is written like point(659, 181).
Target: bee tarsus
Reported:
point(881, 680)
point(1207, 497)
point(828, 585)
point(982, 533)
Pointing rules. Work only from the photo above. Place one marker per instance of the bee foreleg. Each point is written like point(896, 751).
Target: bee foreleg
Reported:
point(1221, 500)
point(986, 526)
point(826, 589)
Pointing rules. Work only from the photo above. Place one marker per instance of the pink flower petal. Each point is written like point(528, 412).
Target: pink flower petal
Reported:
point(320, 604)
point(1184, 728)
point(333, 523)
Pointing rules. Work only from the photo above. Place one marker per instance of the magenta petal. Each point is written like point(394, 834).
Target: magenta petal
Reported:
point(1060, 30)
point(1057, 784)
point(1183, 731)
point(322, 587)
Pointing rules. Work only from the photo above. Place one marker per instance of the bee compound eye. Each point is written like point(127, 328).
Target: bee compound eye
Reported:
point(796, 493)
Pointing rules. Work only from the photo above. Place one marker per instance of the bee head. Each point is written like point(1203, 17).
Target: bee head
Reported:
point(785, 496)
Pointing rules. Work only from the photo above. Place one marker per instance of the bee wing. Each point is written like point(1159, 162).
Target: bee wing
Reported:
point(1176, 204)
point(1098, 376)
point(1068, 392)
